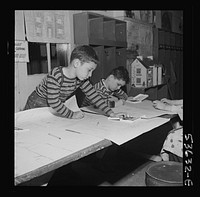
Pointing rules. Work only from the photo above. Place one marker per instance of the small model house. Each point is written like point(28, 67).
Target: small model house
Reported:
point(143, 72)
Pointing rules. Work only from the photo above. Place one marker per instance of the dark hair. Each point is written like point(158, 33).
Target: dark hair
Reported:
point(120, 73)
point(84, 53)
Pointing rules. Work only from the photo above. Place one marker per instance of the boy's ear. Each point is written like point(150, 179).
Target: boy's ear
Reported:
point(76, 63)
point(111, 76)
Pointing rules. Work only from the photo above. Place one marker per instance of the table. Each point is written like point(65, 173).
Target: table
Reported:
point(29, 176)
point(38, 153)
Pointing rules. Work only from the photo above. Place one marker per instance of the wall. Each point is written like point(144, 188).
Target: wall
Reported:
point(176, 20)
point(24, 84)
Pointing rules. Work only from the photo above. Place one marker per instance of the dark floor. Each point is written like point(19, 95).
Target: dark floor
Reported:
point(118, 167)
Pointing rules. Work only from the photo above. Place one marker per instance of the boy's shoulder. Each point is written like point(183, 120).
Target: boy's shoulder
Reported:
point(56, 70)
point(99, 84)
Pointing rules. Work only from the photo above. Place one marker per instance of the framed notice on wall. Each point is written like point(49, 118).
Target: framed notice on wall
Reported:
point(21, 51)
point(47, 26)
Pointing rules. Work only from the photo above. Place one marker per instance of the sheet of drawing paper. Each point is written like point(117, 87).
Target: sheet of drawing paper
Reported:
point(26, 160)
point(98, 125)
point(133, 130)
point(36, 148)
point(116, 131)
point(45, 139)
point(44, 113)
point(37, 145)
point(145, 108)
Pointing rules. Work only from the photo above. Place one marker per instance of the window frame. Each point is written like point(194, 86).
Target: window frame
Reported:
point(59, 46)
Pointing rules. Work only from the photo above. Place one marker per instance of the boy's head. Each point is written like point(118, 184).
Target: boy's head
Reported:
point(117, 78)
point(85, 60)
point(84, 53)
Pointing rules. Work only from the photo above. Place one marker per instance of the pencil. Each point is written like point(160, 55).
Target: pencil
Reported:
point(54, 136)
point(72, 131)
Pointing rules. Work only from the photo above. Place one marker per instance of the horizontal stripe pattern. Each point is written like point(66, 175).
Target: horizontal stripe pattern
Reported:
point(105, 93)
point(94, 97)
point(57, 88)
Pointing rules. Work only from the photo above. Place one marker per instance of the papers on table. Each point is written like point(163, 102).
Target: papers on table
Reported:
point(118, 132)
point(144, 109)
point(128, 119)
point(34, 147)
point(137, 99)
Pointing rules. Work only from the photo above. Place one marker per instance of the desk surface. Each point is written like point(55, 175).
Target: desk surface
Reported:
point(61, 162)
point(37, 152)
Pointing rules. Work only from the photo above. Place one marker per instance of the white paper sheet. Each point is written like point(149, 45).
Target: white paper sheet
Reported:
point(145, 108)
point(116, 131)
point(34, 147)
point(26, 160)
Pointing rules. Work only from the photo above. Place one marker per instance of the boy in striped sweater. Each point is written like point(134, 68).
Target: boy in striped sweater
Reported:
point(61, 82)
point(110, 88)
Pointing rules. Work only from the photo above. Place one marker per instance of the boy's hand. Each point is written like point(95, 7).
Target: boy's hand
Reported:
point(123, 101)
point(165, 100)
point(160, 105)
point(130, 98)
point(78, 115)
point(119, 102)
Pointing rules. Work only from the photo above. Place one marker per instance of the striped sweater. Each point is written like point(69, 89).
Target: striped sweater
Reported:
point(105, 93)
point(56, 88)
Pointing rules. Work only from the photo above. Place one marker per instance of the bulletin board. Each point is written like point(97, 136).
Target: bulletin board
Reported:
point(47, 26)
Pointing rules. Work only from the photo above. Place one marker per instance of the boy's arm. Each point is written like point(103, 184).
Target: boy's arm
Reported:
point(53, 89)
point(95, 98)
point(121, 94)
point(172, 102)
point(177, 102)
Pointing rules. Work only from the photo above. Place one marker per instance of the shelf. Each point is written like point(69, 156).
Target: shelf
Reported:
point(124, 18)
point(95, 29)
point(95, 41)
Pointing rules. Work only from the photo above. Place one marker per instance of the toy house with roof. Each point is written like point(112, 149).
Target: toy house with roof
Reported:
point(143, 72)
